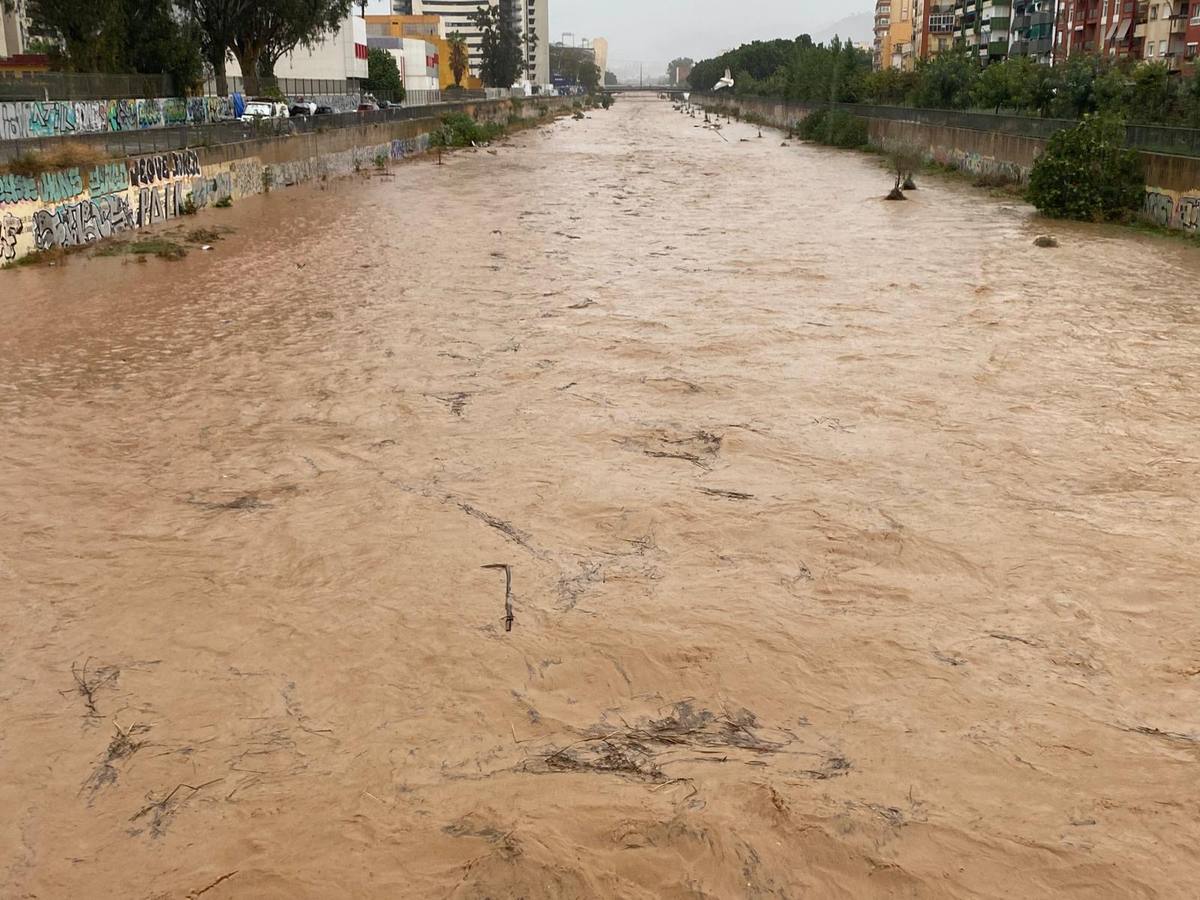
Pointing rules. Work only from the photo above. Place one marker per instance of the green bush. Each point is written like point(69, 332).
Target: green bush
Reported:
point(460, 130)
point(1086, 173)
point(835, 127)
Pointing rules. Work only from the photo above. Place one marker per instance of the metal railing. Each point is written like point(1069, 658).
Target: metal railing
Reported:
point(82, 86)
point(160, 140)
point(1150, 138)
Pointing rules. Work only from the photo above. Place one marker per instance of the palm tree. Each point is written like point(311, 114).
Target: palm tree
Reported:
point(458, 57)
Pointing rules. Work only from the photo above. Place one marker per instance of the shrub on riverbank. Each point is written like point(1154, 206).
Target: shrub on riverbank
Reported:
point(1087, 173)
point(801, 71)
point(460, 130)
point(67, 155)
point(837, 128)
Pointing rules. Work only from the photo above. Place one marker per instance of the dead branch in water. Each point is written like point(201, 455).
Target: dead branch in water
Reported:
point(508, 596)
point(728, 495)
point(506, 528)
point(87, 685)
point(166, 807)
point(121, 747)
point(686, 457)
point(640, 750)
point(208, 887)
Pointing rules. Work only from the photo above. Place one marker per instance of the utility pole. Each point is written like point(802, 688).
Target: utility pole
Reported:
point(639, 74)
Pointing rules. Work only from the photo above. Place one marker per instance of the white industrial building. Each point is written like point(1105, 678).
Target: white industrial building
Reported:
point(532, 16)
point(337, 65)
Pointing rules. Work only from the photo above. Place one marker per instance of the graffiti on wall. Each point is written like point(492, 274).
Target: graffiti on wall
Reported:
point(1187, 212)
point(81, 223)
point(165, 166)
point(76, 206)
point(1163, 209)
point(108, 178)
point(58, 118)
point(10, 227)
point(79, 207)
point(17, 189)
point(1158, 208)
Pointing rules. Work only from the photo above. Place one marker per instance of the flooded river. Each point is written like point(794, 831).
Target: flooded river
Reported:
point(852, 544)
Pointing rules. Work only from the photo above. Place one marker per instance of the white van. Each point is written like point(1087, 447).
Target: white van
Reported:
point(264, 109)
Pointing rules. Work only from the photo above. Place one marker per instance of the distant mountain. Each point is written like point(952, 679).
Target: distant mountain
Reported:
point(859, 28)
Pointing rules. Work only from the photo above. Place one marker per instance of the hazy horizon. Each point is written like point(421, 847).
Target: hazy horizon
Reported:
point(657, 31)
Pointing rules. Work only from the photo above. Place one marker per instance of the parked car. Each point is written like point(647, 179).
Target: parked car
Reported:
point(302, 109)
point(264, 109)
point(368, 106)
point(325, 111)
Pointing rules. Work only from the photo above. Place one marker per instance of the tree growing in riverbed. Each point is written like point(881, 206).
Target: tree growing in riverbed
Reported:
point(903, 162)
point(1087, 173)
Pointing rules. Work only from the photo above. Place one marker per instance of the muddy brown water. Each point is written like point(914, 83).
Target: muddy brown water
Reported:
point(852, 543)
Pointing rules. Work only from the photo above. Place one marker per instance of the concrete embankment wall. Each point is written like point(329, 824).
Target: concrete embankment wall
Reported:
point(71, 206)
point(1172, 182)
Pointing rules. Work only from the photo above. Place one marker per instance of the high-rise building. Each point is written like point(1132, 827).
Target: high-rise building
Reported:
point(882, 53)
point(531, 17)
point(600, 45)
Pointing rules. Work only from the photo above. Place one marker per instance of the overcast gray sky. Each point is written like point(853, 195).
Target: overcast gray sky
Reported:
point(657, 31)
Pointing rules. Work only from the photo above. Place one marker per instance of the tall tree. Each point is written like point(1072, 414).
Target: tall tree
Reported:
point(500, 47)
point(90, 34)
point(459, 57)
point(217, 20)
point(383, 75)
point(269, 29)
point(146, 36)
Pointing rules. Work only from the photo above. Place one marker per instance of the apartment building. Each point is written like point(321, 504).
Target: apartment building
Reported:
point(992, 29)
point(532, 18)
point(881, 55)
point(1032, 30)
point(1163, 33)
point(1096, 26)
point(937, 27)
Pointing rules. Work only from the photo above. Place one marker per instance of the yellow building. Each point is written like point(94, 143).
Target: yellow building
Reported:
point(432, 30)
point(894, 34)
point(900, 37)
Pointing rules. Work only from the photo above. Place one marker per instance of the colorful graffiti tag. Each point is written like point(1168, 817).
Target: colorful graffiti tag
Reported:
point(58, 118)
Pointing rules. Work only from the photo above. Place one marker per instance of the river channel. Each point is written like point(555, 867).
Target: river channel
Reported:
point(852, 544)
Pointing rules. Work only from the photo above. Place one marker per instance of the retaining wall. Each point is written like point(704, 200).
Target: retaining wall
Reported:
point(74, 206)
point(1172, 182)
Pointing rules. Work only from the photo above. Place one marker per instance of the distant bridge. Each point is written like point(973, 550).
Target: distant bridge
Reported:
point(647, 89)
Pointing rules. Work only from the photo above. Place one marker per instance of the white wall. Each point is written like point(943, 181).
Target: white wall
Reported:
point(333, 58)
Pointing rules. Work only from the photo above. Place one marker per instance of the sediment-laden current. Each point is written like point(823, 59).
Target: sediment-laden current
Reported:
point(852, 544)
